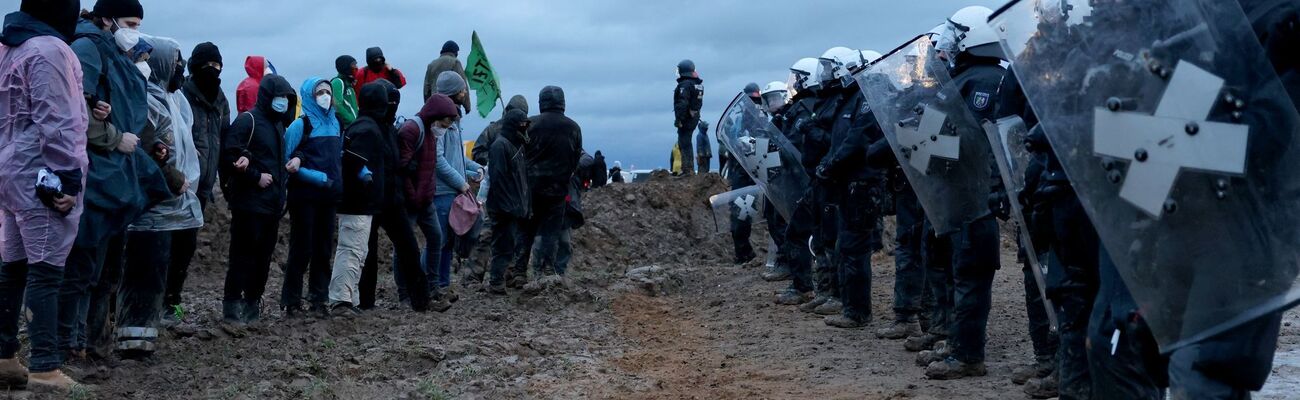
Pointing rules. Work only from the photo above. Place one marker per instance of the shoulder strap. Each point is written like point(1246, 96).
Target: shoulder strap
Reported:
point(252, 125)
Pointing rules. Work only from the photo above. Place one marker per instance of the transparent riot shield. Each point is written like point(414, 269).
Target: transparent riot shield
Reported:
point(1006, 138)
point(764, 152)
point(941, 147)
point(1180, 141)
point(745, 204)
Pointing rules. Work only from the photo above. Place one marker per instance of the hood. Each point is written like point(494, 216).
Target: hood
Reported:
point(518, 102)
point(255, 66)
point(375, 58)
point(313, 111)
point(697, 81)
point(510, 126)
point(343, 65)
point(271, 87)
point(166, 54)
point(438, 106)
point(373, 100)
point(20, 26)
point(551, 99)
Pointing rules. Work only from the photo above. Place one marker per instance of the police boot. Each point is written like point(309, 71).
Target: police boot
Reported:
point(816, 302)
point(13, 375)
point(792, 297)
point(926, 357)
point(1039, 369)
point(898, 330)
point(950, 368)
point(924, 342)
point(830, 307)
point(1042, 388)
point(844, 322)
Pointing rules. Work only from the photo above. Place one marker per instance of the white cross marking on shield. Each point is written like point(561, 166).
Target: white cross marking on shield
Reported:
point(925, 140)
point(745, 207)
point(760, 160)
point(1165, 141)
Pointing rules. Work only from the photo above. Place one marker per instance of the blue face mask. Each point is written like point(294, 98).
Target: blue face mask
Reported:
point(280, 104)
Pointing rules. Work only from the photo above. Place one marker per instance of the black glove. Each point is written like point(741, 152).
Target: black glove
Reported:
point(68, 184)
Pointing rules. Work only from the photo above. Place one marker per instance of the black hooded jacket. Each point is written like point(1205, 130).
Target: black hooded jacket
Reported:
point(688, 99)
point(555, 145)
point(211, 117)
point(508, 192)
point(259, 135)
point(364, 147)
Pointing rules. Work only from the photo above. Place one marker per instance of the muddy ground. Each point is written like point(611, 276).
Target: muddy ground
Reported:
point(691, 325)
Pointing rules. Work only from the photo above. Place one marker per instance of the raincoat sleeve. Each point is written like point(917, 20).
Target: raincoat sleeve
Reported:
point(293, 137)
point(56, 111)
point(158, 132)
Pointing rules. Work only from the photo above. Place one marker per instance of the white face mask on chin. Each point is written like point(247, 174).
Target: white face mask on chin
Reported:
point(144, 69)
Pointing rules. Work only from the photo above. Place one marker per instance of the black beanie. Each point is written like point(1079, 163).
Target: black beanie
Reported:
point(61, 15)
point(118, 9)
point(450, 47)
point(343, 65)
point(203, 54)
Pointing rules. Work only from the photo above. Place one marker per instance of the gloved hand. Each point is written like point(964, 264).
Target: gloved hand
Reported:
point(1000, 205)
point(58, 189)
point(365, 175)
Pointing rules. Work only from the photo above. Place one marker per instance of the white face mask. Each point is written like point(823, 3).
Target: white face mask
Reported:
point(439, 131)
point(144, 69)
point(324, 101)
point(126, 38)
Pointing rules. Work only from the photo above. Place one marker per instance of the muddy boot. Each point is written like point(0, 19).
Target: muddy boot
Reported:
point(830, 307)
point(1042, 388)
point(438, 304)
point(950, 368)
point(451, 294)
point(777, 274)
point(517, 282)
point(812, 305)
point(252, 311)
point(898, 330)
point(232, 318)
point(50, 380)
point(13, 375)
point(791, 297)
point(939, 353)
point(344, 310)
point(1040, 369)
point(924, 342)
point(294, 312)
point(843, 322)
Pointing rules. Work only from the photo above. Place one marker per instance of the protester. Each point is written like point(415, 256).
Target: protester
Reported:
point(483, 144)
point(509, 198)
point(554, 148)
point(344, 91)
point(419, 162)
point(211, 113)
point(703, 152)
point(246, 94)
point(455, 174)
point(43, 134)
point(314, 148)
point(599, 171)
point(447, 61)
point(377, 68)
point(616, 173)
point(254, 181)
point(363, 196)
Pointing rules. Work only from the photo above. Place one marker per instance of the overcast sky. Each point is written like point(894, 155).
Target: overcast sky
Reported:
point(615, 59)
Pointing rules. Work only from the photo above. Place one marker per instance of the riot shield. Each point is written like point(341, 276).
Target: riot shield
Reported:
point(745, 204)
point(764, 152)
point(941, 147)
point(1179, 140)
point(1007, 138)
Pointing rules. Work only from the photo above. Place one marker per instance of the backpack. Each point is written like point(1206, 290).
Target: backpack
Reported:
point(414, 164)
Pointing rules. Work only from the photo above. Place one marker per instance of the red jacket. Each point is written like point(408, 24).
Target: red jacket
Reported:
point(421, 182)
point(365, 75)
point(246, 93)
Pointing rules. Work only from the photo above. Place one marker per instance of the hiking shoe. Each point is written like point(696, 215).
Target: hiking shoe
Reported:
point(939, 353)
point(439, 305)
point(777, 275)
point(344, 309)
point(294, 312)
point(898, 330)
point(925, 341)
point(791, 297)
point(170, 317)
point(840, 321)
point(55, 379)
point(517, 282)
point(830, 307)
point(1040, 369)
point(13, 375)
point(950, 368)
point(1042, 388)
point(451, 294)
point(812, 305)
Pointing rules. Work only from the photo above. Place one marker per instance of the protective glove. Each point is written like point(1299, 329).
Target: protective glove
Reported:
point(52, 184)
point(365, 175)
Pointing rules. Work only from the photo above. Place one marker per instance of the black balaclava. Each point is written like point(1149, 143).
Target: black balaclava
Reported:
point(207, 78)
point(375, 59)
point(178, 74)
point(394, 99)
point(61, 15)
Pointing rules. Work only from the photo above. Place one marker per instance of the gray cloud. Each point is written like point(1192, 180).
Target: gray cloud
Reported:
point(615, 59)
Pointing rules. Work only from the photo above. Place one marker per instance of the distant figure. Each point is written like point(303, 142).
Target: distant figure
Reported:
point(688, 98)
point(616, 173)
point(599, 173)
point(703, 150)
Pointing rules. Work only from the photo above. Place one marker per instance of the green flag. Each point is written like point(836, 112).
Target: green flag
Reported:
point(482, 79)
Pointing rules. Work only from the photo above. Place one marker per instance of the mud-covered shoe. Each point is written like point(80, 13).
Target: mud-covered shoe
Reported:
point(439, 305)
point(791, 297)
point(13, 375)
point(925, 341)
point(252, 312)
point(318, 311)
point(898, 330)
point(830, 307)
point(496, 290)
point(517, 282)
point(1042, 388)
point(451, 294)
point(777, 275)
point(294, 312)
point(843, 322)
point(344, 309)
point(1040, 369)
point(812, 305)
point(950, 369)
point(939, 353)
point(55, 379)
